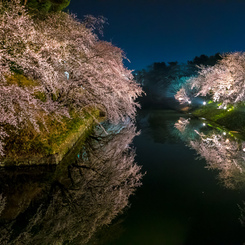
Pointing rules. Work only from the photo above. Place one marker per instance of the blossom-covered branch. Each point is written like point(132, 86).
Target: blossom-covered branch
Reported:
point(224, 82)
point(64, 65)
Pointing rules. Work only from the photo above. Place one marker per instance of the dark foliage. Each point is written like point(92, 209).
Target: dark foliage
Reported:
point(205, 60)
point(46, 6)
point(157, 78)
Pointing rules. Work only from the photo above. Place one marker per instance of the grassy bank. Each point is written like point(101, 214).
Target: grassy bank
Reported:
point(56, 138)
point(233, 117)
point(25, 145)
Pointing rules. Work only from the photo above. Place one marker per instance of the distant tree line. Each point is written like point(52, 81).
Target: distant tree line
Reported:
point(162, 80)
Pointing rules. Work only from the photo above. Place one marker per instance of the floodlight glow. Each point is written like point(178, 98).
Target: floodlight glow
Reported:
point(204, 103)
point(67, 74)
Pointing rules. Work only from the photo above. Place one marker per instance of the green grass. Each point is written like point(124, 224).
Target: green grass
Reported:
point(21, 80)
point(55, 136)
point(232, 118)
point(49, 141)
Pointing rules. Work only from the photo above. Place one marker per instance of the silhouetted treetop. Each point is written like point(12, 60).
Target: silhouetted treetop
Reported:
point(159, 66)
point(173, 63)
point(205, 60)
point(47, 5)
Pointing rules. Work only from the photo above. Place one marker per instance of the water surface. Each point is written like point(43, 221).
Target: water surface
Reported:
point(185, 200)
point(193, 191)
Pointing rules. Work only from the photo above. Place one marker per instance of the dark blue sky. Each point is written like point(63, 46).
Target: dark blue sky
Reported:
point(168, 30)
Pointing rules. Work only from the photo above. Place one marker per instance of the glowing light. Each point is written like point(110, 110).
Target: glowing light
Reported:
point(204, 103)
point(67, 74)
point(224, 133)
point(189, 102)
point(243, 149)
point(204, 124)
point(225, 107)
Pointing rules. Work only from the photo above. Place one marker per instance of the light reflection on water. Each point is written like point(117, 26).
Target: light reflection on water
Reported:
point(69, 203)
point(180, 202)
point(222, 150)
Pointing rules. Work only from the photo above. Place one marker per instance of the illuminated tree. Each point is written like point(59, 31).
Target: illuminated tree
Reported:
point(64, 65)
point(185, 94)
point(224, 82)
point(175, 85)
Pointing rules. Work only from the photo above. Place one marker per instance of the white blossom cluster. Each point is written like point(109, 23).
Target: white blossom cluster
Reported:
point(224, 82)
point(68, 64)
point(222, 154)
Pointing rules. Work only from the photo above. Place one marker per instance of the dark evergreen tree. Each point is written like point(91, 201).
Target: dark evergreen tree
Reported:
point(46, 6)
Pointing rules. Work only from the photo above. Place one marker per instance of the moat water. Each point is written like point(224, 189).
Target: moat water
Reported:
point(181, 181)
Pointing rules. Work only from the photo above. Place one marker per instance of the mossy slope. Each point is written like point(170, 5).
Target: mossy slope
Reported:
point(27, 146)
point(232, 118)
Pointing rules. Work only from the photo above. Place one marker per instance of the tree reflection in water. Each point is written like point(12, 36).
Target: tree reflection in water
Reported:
point(221, 151)
point(82, 197)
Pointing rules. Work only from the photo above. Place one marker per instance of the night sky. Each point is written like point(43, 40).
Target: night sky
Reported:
point(156, 30)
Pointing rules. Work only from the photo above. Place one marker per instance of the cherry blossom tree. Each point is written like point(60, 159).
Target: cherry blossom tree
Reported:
point(175, 85)
point(185, 92)
point(67, 64)
point(224, 81)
